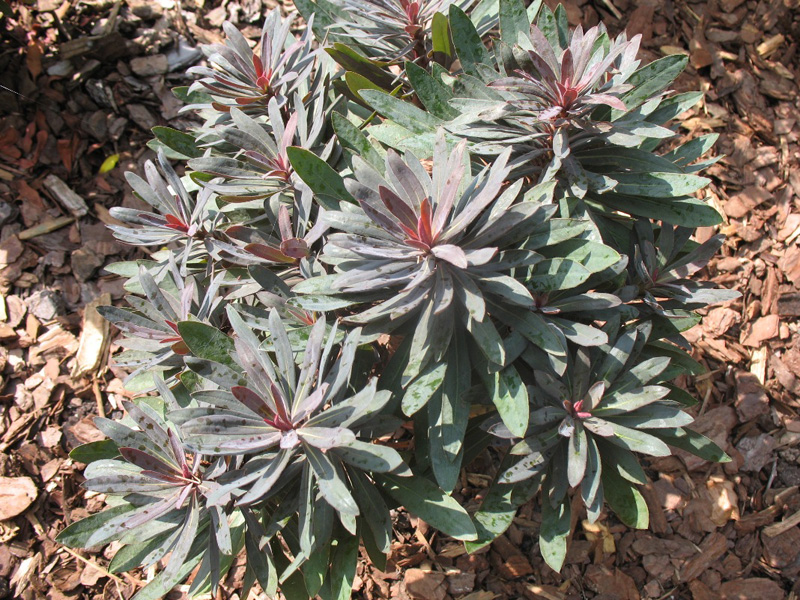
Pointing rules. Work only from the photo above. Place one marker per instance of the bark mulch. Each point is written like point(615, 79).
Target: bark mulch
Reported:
point(81, 84)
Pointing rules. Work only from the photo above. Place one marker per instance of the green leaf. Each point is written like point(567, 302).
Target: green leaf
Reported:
point(673, 324)
point(370, 457)
point(356, 83)
point(577, 455)
point(595, 256)
point(404, 140)
point(402, 113)
point(325, 14)
point(351, 137)
point(469, 46)
point(634, 440)
point(510, 396)
point(513, 21)
point(78, 533)
point(330, 481)
point(343, 567)
point(208, 342)
point(499, 507)
point(623, 461)
point(693, 149)
point(133, 555)
point(182, 144)
point(370, 69)
point(685, 211)
point(92, 451)
point(428, 502)
point(547, 23)
point(613, 161)
point(562, 26)
point(625, 500)
point(440, 39)
point(679, 395)
point(448, 414)
point(220, 374)
point(680, 361)
point(422, 389)
point(533, 327)
point(694, 442)
point(554, 532)
point(323, 180)
point(669, 108)
point(485, 335)
point(557, 274)
point(315, 568)
point(653, 78)
point(555, 231)
point(433, 94)
point(374, 512)
point(659, 185)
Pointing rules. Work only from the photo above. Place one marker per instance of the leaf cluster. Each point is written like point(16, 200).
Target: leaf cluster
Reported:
point(440, 228)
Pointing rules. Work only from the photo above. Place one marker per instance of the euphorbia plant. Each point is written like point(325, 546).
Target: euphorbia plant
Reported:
point(520, 241)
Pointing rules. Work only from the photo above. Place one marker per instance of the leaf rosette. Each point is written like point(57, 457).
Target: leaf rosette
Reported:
point(238, 77)
point(435, 249)
point(287, 415)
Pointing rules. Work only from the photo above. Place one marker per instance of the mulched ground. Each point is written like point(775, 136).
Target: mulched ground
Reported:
point(81, 84)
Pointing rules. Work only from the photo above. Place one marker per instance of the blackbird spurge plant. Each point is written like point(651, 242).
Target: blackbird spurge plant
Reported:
point(407, 238)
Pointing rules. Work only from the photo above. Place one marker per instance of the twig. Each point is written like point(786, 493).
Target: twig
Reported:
point(101, 411)
point(94, 565)
point(62, 10)
point(613, 9)
point(782, 526)
point(112, 18)
point(45, 227)
point(182, 27)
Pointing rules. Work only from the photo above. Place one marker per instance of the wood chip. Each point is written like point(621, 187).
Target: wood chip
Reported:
point(425, 585)
point(786, 524)
point(754, 588)
point(64, 194)
point(93, 343)
point(763, 329)
point(770, 45)
point(751, 399)
point(16, 495)
point(712, 548)
point(46, 227)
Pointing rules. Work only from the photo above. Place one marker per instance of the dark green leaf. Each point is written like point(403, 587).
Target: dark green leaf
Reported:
point(554, 532)
point(429, 503)
point(686, 211)
point(469, 46)
point(351, 137)
point(326, 183)
point(182, 145)
point(402, 113)
point(653, 78)
point(102, 449)
point(207, 342)
point(440, 39)
point(625, 500)
point(432, 93)
point(513, 21)
point(693, 442)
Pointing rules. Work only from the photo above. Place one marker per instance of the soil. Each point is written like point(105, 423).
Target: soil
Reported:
point(82, 83)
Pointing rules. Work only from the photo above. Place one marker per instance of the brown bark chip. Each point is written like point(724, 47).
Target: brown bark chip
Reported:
point(754, 588)
point(16, 495)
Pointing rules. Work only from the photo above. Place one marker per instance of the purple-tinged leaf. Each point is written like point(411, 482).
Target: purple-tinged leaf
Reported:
point(452, 254)
point(148, 462)
point(252, 401)
point(326, 438)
